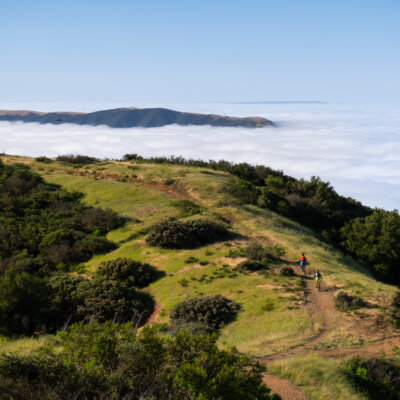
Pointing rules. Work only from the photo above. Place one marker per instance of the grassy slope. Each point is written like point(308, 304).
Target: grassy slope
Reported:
point(272, 317)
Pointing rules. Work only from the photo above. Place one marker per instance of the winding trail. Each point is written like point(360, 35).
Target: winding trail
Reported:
point(322, 305)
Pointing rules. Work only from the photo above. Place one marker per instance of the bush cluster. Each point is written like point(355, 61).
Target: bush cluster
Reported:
point(377, 378)
point(185, 234)
point(375, 239)
point(43, 227)
point(287, 271)
point(132, 273)
point(346, 302)
point(77, 159)
point(214, 311)
point(113, 300)
point(29, 302)
point(251, 265)
point(110, 361)
point(243, 191)
point(44, 160)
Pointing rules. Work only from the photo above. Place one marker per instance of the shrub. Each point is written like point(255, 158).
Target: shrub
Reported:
point(43, 226)
point(214, 311)
point(395, 309)
point(375, 240)
point(251, 265)
point(287, 271)
point(187, 207)
point(23, 302)
point(193, 328)
point(244, 192)
point(265, 254)
point(139, 365)
point(65, 298)
point(99, 220)
point(44, 159)
point(378, 378)
point(185, 234)
point(77, 159)
point(132, 273)
point(346, 302)
point(107, 300)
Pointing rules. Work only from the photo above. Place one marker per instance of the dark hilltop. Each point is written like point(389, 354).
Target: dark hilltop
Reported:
point(133, 117)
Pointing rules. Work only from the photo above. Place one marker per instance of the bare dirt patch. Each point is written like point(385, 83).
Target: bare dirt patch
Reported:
point(284, 388)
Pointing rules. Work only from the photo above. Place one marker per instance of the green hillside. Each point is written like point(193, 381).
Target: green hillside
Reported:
point(283, 321)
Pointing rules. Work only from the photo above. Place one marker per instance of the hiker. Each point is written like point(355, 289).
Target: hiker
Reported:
point(303, 263)
point(318, 277)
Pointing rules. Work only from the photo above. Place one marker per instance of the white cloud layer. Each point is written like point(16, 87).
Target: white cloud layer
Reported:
point(356, 148)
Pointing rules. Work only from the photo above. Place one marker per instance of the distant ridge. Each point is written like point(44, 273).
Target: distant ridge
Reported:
point(132, 117)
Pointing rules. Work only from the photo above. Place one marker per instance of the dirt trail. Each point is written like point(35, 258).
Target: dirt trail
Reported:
point(318, 304)
point(321, 304)
point(283, 387)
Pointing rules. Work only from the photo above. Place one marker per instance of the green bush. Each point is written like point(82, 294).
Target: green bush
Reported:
point(346, 302)
point(265, 254)
point(110, 361)
point(375, 240)
point(185, 234)
point(132, 273)
point(215, 311)
point(187, 207)
point(44, 159)
point(43, 226)
point(108, 300)
point(23, 302)
point(65, 298)
point(395, 309)
point(377, 378)
point(287, 271)
point(243, 191)
point(77, 159)
point(251, 265)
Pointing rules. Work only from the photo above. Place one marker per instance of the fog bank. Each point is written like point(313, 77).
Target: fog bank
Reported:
point(355, 147)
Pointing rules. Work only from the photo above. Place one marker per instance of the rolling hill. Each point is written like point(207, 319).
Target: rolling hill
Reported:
point(133, 117)
point(283, 321)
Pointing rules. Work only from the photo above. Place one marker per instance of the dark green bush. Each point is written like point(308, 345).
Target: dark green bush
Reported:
point(23, 302)
point(130, 272)
point(265, 254)
point(375, 240)
point(287, 271)
point(377, 378)
point(108, 300)
point(43, 226)
point(65, 298)
point(244, 192)
point(44, 159)
point(110, 361)
point(214, 311)
point(395, 309)
point(185, 234)
point(77, 159)
point(251, 265)
point(346, 302)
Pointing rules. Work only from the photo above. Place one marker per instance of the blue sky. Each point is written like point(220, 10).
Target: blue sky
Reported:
point(197, 51)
